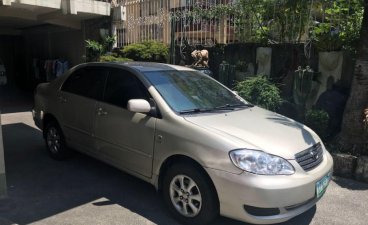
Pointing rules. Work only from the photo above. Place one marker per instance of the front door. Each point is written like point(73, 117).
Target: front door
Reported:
point(124, 138)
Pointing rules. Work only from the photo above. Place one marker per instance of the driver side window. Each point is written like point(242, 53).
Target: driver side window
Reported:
point(122, 86)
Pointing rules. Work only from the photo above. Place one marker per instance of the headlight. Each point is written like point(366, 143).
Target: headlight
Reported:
point(259, 162)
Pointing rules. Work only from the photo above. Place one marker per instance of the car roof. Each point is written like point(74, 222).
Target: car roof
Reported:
point(144, 66)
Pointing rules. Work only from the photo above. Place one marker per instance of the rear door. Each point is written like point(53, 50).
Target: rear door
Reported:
point(78, 96)
point(124, 138)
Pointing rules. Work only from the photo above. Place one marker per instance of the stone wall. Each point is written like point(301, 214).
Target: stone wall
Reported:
point(285, 59)
point(349, 166)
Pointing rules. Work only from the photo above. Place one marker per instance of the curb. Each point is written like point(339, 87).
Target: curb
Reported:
point(352, 167)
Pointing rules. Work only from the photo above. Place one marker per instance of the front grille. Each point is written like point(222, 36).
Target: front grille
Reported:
point(310, 158)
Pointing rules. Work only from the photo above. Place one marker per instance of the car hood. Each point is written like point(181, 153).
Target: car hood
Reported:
point(259, 129)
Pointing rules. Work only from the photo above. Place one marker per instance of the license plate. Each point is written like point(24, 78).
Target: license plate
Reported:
point(322, 184)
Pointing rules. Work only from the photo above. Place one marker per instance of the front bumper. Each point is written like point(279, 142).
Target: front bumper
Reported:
point(37, 118)
point(288, 195)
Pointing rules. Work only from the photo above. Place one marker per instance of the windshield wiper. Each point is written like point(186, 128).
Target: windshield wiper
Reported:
point(196, 110)
point(223, 107)
point(233, 106)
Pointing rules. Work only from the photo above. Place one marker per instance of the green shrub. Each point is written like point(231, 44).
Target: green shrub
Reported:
point(147, 51)
point(108, 42)
point(112, 58)
point(94, 50)
point(260, 91)
point(317, 120)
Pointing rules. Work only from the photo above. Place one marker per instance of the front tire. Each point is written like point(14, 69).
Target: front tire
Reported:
point(189, 194)
point(55, 141)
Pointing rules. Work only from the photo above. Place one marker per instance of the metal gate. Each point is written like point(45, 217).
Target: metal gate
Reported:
point(160, 20)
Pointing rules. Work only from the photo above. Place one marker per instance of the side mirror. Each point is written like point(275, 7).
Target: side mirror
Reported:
point(139, 106)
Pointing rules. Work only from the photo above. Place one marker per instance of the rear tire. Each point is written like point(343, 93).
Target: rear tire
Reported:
point(190, 195)
point(55, 141)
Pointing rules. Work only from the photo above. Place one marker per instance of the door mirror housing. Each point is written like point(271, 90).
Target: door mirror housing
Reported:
point(139, 106)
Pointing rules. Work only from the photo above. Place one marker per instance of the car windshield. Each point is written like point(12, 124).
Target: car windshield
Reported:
point(193, 92)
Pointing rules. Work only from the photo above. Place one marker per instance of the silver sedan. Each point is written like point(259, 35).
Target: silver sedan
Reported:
point(206, 149)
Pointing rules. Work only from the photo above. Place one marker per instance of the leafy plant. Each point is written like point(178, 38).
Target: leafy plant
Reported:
point(112, 58)
point(108, 42)
point(94, 50)
point(317, 120)
point(332, 25)
point(340, 26)
point(261, 21)
point(260, 91)
point(326, 38)
point(147, 51)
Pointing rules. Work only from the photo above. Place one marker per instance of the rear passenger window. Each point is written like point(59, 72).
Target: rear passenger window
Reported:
point(122, 86)
point(88, 82)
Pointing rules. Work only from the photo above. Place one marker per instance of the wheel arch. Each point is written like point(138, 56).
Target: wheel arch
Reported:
point(182, 159)
point(46, 120)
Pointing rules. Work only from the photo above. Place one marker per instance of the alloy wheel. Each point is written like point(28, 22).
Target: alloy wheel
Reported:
point(53, 140)
point(185, 196)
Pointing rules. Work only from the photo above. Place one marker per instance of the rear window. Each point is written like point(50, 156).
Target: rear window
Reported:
point(87, 82)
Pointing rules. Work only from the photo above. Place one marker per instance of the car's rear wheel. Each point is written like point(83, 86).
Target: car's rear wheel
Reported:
point(190, 195)
point(55, 141)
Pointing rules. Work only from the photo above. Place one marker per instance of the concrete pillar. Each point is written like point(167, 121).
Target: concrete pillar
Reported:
point(7, 2)
point(222, 31)
point(2, 165)
point(114, 33)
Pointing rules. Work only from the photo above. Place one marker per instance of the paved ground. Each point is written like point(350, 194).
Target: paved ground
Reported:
point(84, 191)
point(13, 99)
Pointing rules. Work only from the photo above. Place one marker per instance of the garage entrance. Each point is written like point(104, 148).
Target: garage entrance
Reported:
point(35, 35)
point(40, 40)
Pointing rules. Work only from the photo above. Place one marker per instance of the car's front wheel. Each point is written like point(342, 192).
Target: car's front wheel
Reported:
point(190, 195)
point(55, 141)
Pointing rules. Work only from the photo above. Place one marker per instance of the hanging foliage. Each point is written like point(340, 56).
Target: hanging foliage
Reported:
point(337, 24)
point(329, 23)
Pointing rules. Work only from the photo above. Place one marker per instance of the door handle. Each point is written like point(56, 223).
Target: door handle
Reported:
point(101, 112)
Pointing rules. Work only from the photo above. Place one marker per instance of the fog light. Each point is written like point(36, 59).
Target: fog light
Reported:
point(255, 211)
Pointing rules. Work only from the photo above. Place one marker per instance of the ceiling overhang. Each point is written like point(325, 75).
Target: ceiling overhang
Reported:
point(16, 15)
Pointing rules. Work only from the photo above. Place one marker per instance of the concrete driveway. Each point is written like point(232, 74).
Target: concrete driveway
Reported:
point(83, 191)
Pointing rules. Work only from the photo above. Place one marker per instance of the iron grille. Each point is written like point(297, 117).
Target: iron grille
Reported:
point(311, 157)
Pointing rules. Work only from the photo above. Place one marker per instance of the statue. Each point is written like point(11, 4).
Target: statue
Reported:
point(200, 58)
